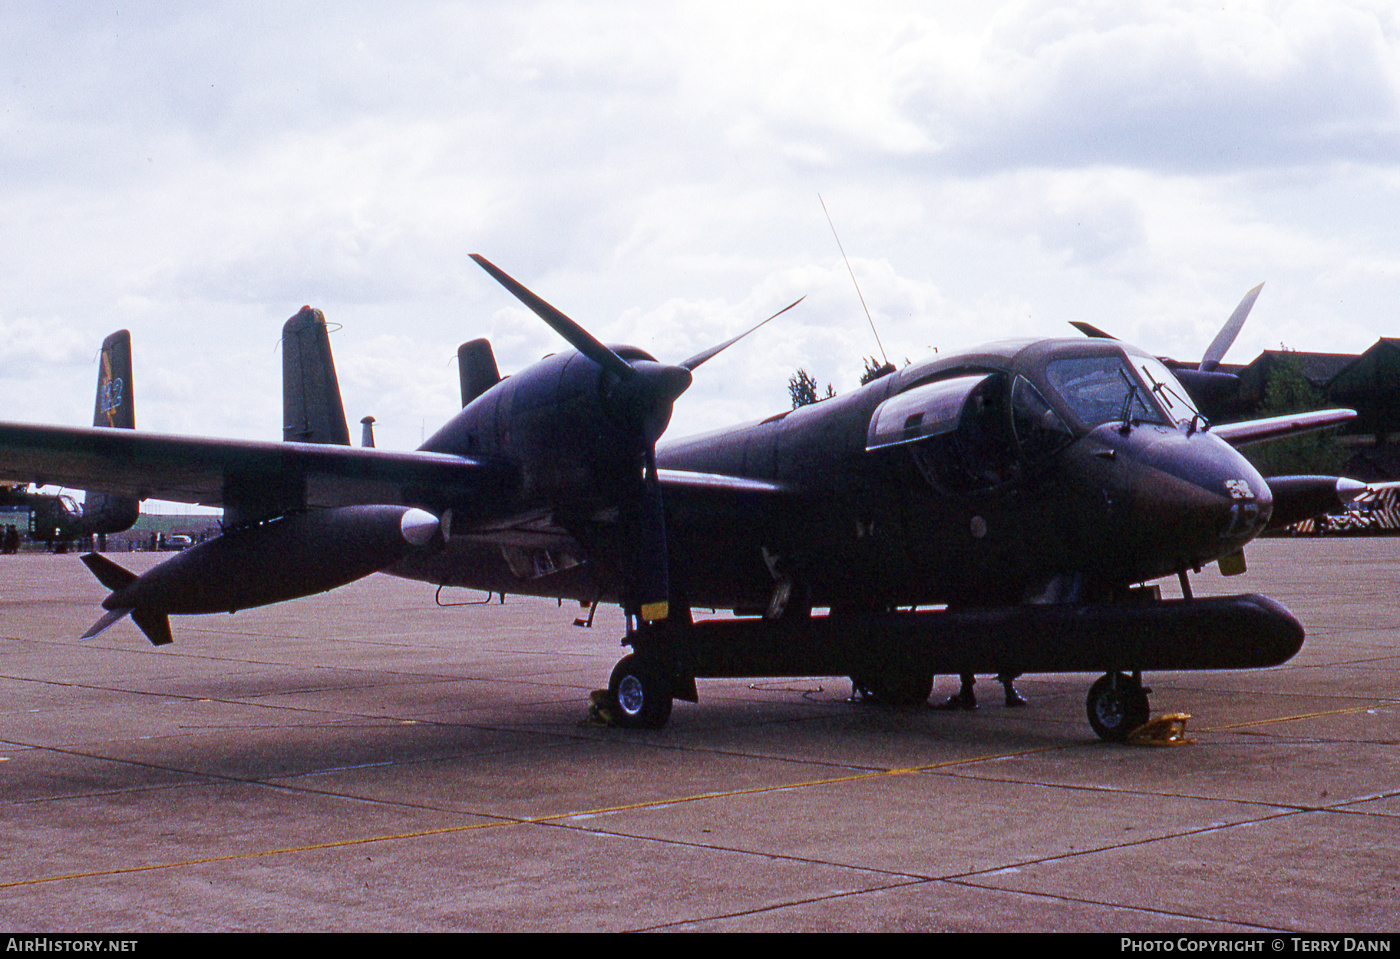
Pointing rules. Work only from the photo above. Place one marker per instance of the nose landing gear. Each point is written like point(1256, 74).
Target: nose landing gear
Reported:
point(1117, 704)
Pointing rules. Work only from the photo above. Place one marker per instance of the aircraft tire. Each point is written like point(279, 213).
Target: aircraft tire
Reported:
point(1117, 704)
point(640, 693)
point(895, 687)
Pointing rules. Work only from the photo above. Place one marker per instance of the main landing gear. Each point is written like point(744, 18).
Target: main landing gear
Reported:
point(1117, 704)
point(639, 692)
point(893, 687)
point(642, 687)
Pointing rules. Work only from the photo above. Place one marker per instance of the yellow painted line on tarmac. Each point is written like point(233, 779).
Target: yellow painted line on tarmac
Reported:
point(1289, 719)
point(527, 821)
point(646, 804)
point(124, 870)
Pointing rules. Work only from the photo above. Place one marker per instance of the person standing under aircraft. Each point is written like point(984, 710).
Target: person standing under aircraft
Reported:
point(965, 698)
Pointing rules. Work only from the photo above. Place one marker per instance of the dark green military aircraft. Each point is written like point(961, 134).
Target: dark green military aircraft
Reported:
point(57, 519)
point(1004, 510)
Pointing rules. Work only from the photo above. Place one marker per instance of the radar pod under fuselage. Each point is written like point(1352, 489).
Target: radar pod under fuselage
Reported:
point(286, 558)
point(1224, 632)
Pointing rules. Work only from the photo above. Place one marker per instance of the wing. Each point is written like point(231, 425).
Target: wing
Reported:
point(1275, 427)
point(254, 480)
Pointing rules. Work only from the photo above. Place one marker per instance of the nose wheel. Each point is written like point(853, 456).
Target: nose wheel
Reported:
point(1117, 704)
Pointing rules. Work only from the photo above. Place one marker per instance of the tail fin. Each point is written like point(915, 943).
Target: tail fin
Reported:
point(115, 404)
point(476, 366)
point(115, 407)
point(108, 573)
point(312, 411)
point(102, 624)
point(155, 625)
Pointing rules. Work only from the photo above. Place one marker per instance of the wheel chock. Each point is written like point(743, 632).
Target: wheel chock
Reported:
point(1165, 730)
point(598, 712)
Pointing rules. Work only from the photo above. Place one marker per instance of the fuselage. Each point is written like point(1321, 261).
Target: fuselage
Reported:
point(1049, 470)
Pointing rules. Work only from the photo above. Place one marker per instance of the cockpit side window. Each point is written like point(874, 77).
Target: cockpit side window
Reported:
point(1101, 389)
point(987, 450)
point(981, 452)
point(1039, 429)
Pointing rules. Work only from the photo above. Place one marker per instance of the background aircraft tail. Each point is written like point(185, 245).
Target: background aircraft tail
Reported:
point(115, 407)
point(312, 411)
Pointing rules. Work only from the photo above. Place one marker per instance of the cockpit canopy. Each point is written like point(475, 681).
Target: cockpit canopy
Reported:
point(971, 431)
point(979, 428)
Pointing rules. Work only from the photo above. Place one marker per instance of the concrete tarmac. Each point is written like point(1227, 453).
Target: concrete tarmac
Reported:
point(367, 761)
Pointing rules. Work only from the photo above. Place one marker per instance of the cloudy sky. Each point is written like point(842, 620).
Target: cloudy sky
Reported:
point(195, 173)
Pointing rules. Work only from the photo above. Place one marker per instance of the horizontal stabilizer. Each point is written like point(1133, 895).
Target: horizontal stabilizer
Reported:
point(104, 622)
point(108, 573)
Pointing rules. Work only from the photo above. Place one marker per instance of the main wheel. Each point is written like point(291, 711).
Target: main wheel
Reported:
point(1117, 704)
point(893, 687)
point(640, 693)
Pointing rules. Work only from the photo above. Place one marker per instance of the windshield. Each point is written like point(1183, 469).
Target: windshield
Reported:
point(1167, 388)
point(1102, 389)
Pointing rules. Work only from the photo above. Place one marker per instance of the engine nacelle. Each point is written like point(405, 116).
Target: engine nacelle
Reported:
point(565, 424)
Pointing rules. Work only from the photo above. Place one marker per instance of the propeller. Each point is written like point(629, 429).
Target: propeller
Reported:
point(1088, 329)
point(1218, 346)
point(642, 399)
point(704, 355)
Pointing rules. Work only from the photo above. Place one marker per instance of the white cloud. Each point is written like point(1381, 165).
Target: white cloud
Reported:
point(198, 173)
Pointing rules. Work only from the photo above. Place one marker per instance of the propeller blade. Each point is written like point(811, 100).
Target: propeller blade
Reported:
point(1089, 329)
point(579, 338)
point(652, 580)
point(1218, 346)
point(699, 358)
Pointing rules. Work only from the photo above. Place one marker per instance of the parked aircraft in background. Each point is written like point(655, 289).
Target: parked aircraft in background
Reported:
point(56, 518)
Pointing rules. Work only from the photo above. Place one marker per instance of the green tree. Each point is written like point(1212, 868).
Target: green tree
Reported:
point(874, 369)
point(802, 389)
point(1289, 391)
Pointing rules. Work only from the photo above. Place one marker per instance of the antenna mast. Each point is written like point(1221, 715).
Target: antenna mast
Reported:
point(853, 281)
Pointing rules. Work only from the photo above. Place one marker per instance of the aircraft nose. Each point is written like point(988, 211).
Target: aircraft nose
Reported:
point(1197, 494)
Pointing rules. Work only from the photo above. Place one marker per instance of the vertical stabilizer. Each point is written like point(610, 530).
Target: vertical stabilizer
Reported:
point(312, 411)
point(476, 364)
point(115, 407)
point(115, 403)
